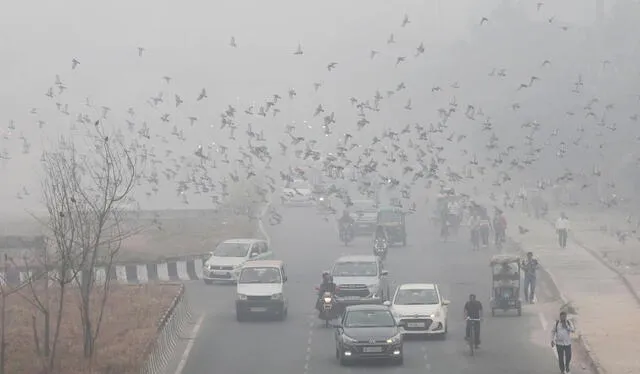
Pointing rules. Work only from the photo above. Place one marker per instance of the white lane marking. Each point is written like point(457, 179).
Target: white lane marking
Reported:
point(427, 365)
point(187, 351)
point(307, 358)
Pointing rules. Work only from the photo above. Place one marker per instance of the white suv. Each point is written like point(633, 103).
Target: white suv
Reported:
point(226, 260)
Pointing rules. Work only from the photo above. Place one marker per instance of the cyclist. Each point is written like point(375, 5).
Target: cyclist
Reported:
point(473, 310)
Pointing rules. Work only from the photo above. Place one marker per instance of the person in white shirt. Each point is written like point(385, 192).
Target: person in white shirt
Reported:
point(561, 340)
point(562, 228)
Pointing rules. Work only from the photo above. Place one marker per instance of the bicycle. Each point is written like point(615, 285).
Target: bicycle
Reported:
point(472, 334)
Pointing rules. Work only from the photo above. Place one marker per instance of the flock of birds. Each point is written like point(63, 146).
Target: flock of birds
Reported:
point(406, 159)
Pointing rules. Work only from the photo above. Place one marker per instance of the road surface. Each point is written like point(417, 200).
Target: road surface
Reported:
point(301, 345)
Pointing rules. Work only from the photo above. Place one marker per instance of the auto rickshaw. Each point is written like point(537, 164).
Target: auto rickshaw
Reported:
point(505, 285)
point(393, 220)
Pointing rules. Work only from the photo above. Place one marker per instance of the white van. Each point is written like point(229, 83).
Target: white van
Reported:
point(226, 260)
point(261, 290)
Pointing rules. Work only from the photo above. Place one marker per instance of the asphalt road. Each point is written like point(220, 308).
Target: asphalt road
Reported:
point(301, 345)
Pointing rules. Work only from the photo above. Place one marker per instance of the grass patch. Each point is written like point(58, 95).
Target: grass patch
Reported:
point(129, 326)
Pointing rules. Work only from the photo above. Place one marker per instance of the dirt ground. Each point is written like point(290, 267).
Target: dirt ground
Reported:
point(184, 237)
point(129, 325)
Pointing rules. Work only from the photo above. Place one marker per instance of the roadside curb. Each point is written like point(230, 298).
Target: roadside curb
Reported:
point(593, 362)
point(608, 265)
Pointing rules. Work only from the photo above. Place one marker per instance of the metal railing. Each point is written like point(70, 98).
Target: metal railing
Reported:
point(170, 326)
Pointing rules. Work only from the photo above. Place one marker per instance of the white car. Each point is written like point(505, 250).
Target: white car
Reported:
point(262, 290)
point(297, 192)
point(422, 309)
point(226, 260)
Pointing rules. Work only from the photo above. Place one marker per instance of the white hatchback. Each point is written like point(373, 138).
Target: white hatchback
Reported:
point(422, 309)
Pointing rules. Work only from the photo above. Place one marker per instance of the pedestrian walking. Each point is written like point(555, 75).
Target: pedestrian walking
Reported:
point(561, 340)
point(530, 267)
point(562, 228)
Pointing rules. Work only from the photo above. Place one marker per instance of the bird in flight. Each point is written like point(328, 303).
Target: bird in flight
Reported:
point(405, 21)
point(232, 43)
point(203, 94)
point(298, 50)
point(140, 51)
point(74, 63)
point(332, 66)
point(484, 20)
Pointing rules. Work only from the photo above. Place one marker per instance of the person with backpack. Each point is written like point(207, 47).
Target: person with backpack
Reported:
point(561, 340)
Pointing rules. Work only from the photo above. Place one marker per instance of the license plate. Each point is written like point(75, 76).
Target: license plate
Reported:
point(372, 349)
point(416, 324)
point(259, 309)
point(327, 306)
point(351, 298)
point(220, 272)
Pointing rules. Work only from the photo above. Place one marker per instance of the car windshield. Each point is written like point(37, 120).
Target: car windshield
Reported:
point(296, 185)
point(355, 269)
point(369, 318)
point(260, 275)
point(364, 206)
point(231, 250)
point(389, 217)
point(416, 297)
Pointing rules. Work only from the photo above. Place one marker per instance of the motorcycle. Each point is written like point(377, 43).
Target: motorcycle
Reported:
point(346, 233)
point(380, 249)
point(328, 310)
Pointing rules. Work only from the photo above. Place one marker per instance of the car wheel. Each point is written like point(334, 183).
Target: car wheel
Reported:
point(399, 361)
point(240, 317)
point(283, 314)
point(208, 281)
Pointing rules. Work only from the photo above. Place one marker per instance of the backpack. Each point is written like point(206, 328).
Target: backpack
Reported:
point(558, 321)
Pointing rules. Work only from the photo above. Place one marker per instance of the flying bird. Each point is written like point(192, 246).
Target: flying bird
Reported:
point(232, 43)
point(298, 50)
point(202, 95)
point(484, 20)
point(140, 51)
point(332, 66)
point(74, 63)
point(405, 21)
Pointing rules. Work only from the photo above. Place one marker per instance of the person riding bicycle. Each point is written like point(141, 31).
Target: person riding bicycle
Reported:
point(473, 310)
point(327, 285)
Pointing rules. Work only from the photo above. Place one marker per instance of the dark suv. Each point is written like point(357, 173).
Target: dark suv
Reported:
point(368, 332)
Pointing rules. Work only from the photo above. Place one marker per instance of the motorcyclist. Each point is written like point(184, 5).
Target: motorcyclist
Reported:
point(327, 285)
point(380, 235)
point(345, 220)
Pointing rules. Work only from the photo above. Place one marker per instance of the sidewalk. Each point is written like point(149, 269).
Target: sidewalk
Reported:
point(606, 309)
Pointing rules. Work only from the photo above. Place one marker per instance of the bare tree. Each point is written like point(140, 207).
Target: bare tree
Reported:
point(84, 194)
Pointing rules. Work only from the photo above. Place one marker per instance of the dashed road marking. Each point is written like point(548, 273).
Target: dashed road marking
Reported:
point(307, 359)
point(425, 355)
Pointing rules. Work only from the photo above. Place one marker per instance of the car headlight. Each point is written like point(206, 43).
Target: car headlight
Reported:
point(276, 296)
point(321, 199)
point(436, 314)
point(348, 339)
point(241, 296)
point(395, 340)
point(327, 300)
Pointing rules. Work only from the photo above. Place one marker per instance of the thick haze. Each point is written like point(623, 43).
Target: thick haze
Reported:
point(189, 42)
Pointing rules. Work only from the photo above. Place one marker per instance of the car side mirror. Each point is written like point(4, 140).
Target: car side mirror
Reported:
point(387, 303)
point(402, 324)
point(336, 325)
point(446, 302)
point(253, 254)
point(284, 279)
point(385, 272)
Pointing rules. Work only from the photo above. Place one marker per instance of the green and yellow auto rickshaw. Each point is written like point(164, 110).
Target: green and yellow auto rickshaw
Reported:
point(393, 220)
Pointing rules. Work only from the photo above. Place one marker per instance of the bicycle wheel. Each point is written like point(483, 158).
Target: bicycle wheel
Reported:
point(472, 340)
